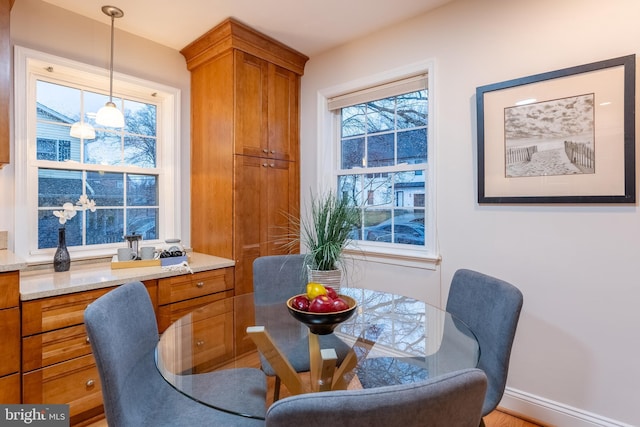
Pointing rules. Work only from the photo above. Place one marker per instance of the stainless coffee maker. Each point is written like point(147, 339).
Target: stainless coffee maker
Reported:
point(133, 240)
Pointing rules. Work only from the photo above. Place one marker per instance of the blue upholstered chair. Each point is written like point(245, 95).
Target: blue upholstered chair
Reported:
point(451, 400)
point(122, 330)
point(276, 278)
point(491, 308)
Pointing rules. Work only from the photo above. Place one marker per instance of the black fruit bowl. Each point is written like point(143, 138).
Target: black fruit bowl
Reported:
point(323, 323)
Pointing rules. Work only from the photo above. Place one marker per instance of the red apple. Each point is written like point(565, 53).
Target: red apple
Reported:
point(331, 293)
point(339, 304)
point(321, 304)
point(300, 302)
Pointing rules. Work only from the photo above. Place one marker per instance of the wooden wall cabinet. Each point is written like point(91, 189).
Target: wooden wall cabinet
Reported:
point(57, 364)
point(245, 150)
point(10, 337)
point(5, 79)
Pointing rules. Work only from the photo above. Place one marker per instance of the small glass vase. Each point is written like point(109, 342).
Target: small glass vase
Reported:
point(61, 259)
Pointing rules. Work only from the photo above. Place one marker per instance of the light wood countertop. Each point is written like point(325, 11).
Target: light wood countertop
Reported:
point(35, 284)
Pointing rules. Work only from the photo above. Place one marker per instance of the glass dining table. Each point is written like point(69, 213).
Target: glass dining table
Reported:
point(390, 339)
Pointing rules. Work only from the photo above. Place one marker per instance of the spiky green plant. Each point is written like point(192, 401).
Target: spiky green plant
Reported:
point(326, 230)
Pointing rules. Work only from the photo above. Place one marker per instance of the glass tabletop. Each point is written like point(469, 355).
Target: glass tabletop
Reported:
point(394, 340)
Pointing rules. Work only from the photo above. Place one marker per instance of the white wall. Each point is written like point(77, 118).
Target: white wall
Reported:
point(575, 359)
point(41, 26)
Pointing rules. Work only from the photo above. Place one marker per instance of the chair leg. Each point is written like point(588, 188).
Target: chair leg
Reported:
point(482, 422)
point(276, 389)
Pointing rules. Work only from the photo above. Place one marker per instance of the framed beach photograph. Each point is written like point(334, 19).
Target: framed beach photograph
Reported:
point(566, 136)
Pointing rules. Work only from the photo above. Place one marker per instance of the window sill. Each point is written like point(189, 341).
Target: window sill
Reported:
point(427, 262)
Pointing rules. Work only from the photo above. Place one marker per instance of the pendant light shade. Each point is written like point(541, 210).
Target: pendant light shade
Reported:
point(82, 130)
point(109, 115)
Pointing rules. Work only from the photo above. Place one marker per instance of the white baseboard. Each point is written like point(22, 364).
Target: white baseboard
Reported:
point(553, 413)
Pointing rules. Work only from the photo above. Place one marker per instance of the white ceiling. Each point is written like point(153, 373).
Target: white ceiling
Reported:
point(309, 26)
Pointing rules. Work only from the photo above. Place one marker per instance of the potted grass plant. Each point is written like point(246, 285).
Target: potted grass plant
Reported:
point(326, 231)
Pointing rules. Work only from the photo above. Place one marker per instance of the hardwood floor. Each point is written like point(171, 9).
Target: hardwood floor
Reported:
point(495, 419)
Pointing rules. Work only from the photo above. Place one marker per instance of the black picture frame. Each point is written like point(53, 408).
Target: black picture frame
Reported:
point(525, 125)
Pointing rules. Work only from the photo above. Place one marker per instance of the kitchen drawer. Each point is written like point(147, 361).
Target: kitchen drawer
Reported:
point(54, 347)
point(48, 314)
point(167, 314)
point(10, 388)
point(9, 289)
point(9, 341)
point(75, 382)
point(180, 288)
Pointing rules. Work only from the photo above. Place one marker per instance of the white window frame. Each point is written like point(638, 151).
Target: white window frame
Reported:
point(328, 132)
point(28, 65)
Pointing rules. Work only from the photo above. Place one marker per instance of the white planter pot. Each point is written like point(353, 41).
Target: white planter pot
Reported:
point(331, 278)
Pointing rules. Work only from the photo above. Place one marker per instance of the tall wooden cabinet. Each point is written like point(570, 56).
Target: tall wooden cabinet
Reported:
point(244, 150)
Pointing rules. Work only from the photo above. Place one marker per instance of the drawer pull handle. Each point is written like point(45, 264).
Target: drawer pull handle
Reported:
point(200, 284)
point(199, 343)
point(272, 165)
point(264, 150)
point(273, 151)
point(264, 165)
point(90, 383)
point(88, 340)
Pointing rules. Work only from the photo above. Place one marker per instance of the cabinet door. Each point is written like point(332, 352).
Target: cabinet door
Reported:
point(266, 114)
point(250, 213)
point(5, 79)
point(282, 112)
point(9, 289)
point(282, 205)
point(251, 136)
point(9, 341)
point(10, 389)
point(266, 197)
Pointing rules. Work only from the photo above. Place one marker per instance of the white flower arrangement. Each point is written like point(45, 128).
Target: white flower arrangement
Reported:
point(69, 210)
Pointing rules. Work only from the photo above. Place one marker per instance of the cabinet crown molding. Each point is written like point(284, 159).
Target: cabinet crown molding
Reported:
point(232, 34)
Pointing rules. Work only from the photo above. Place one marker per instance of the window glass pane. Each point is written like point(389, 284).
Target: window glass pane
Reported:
point(381, 115)
point(140, 118)
point(106, 188)
point(380, 150)
point(412, 109)
point(57, 187)
point(374, 217)
point(105, 149)
point(409, 183)
point(46, 149)
point(377, 190)
point(57, 103)
point(353, 120)
point(142, 190)
point(352, 153)
point(140, 151)
point(48, 226)
point(56, 143)
point(143, 222)
point(412, 146)
point(350, 186)
point(105, 226)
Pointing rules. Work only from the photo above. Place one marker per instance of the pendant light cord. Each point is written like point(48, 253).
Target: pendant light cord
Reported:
point(111, 62)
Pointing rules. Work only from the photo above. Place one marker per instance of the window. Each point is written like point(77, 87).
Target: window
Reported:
point(381, 153)
point(123, 170)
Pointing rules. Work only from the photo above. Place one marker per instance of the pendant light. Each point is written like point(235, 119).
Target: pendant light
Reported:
point(82, 130)
point(109, 115)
